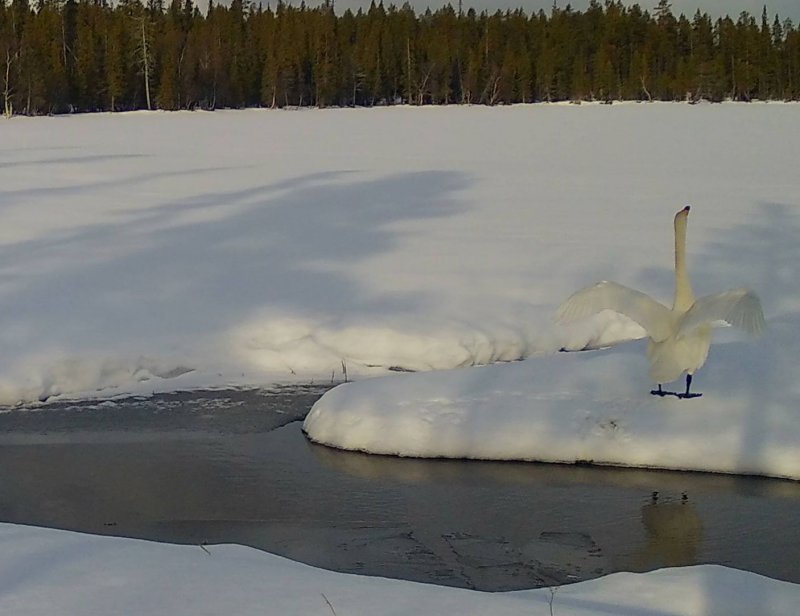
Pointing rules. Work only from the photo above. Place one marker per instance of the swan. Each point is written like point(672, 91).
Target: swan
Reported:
point(680, 337)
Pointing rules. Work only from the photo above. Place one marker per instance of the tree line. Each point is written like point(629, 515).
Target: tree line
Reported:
point(63, 56)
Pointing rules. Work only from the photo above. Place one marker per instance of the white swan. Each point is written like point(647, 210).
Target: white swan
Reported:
point(679, 337)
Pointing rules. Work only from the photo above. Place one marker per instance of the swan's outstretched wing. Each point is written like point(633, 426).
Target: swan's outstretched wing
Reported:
point(653, 316)
point(738, 307)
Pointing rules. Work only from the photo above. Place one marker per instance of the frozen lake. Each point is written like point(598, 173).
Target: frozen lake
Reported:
point(167, 251)
point(233, 467)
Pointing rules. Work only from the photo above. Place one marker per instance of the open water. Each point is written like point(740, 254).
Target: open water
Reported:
point(233, 466)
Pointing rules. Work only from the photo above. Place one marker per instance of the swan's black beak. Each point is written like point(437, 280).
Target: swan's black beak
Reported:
point(687, 208)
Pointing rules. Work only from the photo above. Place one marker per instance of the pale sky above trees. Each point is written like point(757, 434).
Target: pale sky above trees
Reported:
point(784, 8)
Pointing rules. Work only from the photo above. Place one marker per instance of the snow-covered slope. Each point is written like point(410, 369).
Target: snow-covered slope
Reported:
point(584, 407)
point(153, 251)
point(49, 571)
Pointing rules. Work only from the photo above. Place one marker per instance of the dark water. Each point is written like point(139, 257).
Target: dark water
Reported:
point(233, 466)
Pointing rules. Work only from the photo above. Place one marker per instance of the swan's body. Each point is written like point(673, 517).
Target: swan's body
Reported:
point(680, 337)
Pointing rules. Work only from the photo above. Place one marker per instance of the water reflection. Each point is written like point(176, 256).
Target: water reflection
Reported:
point(595, 519)
point(674, 533)
point(412, 470)
point(230, 472)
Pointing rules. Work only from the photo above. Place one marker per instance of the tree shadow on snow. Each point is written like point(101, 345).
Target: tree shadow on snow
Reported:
point(763, 254)
point(210, 261)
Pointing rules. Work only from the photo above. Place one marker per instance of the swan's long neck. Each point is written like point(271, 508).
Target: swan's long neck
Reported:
point(684, 298)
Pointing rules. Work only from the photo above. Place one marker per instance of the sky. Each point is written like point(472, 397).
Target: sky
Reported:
point(715, 8)
point(784, 8)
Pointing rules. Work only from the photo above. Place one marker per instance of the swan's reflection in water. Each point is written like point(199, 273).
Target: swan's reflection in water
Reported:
point(593, 520)
point(674, 534)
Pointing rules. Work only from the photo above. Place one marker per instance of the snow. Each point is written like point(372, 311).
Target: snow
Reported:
point(161, 251)
point(87, 575)
point(583, 407)
point(157, 251)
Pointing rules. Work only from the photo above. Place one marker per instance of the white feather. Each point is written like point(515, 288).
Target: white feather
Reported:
point(738, 307)
point(653, 316)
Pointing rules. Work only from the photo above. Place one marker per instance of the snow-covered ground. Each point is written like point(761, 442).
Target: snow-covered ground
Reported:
point(50, 571)
point(583, 407)
point(158, 251)
point(155, 251)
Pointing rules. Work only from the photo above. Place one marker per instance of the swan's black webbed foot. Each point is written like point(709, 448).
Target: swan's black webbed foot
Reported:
point(660, 392)
point(686, 394)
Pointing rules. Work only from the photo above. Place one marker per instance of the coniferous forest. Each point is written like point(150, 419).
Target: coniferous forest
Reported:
point(63, 56)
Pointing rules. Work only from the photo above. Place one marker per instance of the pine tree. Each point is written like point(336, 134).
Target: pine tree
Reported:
point(765, 59)
point(117, 59)
point(779, 59)
point(325, 53)
point(352, 76)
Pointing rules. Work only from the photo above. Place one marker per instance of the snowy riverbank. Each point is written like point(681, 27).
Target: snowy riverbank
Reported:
point(584, 407)
point(154, 251)
point(46, 570)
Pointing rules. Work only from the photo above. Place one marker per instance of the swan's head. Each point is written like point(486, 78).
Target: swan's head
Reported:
point(680, 220)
